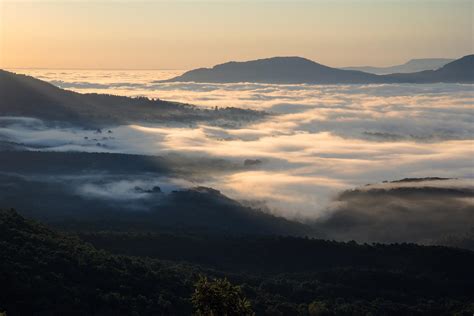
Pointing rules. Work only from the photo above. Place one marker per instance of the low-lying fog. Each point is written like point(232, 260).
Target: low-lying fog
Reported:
point(323, 140)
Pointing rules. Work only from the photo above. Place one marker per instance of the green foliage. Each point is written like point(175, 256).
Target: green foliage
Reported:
point(318, 308)
point(44, 272)
point(48, 273)
point(219, 297)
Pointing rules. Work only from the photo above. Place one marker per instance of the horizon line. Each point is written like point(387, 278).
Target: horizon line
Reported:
point(67, 68)
point(184, 69)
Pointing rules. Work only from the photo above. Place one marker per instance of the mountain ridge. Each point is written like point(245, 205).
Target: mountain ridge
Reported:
point(26, 96)
point(298, 70)
point(413, 65)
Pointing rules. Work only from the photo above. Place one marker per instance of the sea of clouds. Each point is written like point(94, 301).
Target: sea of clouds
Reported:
point(322, 139)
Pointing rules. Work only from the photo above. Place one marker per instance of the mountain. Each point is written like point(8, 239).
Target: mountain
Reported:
point(22, 95)
point(413, 65)
point(458, 71)
point(297, 70)
point(276, 70)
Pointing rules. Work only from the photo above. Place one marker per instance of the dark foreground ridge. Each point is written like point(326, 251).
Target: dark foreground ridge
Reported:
point(297, 70)
point(56, 194)
point(44, 272)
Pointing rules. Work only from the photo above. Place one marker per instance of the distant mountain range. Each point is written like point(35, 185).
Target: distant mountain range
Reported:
point(26, 96)
point(459, 71)
point(275, 70)
point(413, 65)
point(296, 70)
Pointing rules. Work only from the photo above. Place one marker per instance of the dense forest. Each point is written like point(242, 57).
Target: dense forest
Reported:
point(59, 204)
point(46, 272)
point(26, 96)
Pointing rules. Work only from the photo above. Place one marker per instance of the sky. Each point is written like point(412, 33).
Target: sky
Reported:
point(178, 34)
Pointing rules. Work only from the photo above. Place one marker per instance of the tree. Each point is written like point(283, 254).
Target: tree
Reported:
point(318, 308)
point(219, 297)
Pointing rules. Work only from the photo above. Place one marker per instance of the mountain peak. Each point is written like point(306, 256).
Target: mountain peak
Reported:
point(428, 60)
point(298, 70)
point(280, 69)
point(465, 61)
point(293, 61)
point(413, 65)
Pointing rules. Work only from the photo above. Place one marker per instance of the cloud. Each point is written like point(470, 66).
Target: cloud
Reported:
point(324, 139)
point(130, 189)
point(300, 171)
point(423, 212)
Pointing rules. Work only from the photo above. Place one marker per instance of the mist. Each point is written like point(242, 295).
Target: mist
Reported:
point(412, 211)
point(299, 162)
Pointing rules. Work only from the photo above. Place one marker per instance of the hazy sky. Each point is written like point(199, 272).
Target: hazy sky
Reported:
point(176, 34)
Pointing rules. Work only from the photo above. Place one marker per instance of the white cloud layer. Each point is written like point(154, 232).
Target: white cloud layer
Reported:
point(323, 140)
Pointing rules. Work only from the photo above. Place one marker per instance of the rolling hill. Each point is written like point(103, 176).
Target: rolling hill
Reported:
point(413, 65)
point(276, 70)
point(82, 195)
point(45, 272)
point(297, 70)
point(458, 71)
point(22, 95)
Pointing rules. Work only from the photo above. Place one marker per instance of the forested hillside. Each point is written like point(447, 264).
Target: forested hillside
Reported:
point(49, 273)
point(26, 96)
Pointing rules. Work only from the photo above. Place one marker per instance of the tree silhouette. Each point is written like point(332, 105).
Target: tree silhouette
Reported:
point(219, 297)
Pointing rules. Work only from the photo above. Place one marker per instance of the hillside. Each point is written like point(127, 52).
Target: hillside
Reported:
point(22, 95)
point(97, 191)
point(413, 65)
point(276, 70)
point(420, 210)
point(458, 71)
point(297, 70)
point(267, 255)
point(49, 273)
